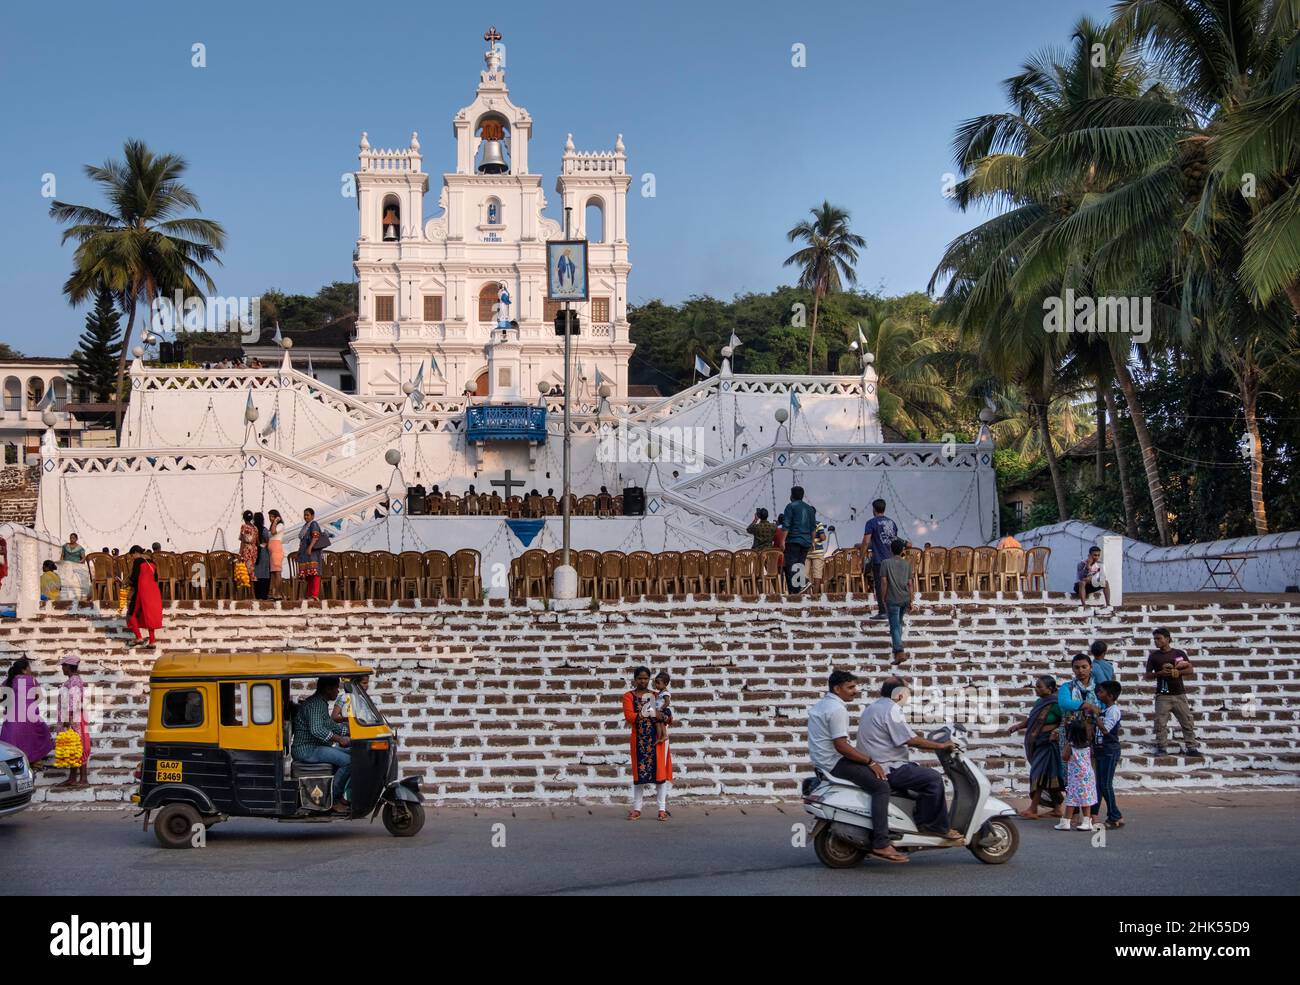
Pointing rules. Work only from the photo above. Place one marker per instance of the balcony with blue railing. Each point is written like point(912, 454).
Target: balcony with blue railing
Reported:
point(506, 422)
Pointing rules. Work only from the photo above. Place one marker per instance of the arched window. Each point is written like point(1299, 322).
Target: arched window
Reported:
point(35, 392)
point(60, 387)
point(594, 220)
point(391, 226)
point(481, 384)
point(487, 299)
point(13, 393)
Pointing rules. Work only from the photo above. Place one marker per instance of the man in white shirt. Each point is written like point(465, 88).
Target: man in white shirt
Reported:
point(885, 736)
point(831, 752)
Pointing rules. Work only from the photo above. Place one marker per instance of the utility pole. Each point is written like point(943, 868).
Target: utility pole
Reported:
point(568, 398)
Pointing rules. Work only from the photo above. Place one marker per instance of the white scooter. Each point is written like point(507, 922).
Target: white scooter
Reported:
point(842, 834)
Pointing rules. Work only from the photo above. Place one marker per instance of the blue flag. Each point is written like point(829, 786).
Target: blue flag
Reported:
point(701, 367)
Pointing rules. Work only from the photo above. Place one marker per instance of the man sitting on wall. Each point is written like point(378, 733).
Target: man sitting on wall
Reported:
point(1090, 577)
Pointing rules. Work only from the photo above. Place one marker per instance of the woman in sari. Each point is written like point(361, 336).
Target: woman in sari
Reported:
point(144, 607)
point(651, 762)
point(248, 543)
point(23, 725)
point(309, 553)
point(1041, 749)
point(275, 552)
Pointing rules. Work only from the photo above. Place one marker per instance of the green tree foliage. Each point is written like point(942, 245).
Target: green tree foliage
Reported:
point(99, 349)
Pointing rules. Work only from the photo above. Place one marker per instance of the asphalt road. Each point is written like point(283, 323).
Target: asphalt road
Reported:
point(1211, 844)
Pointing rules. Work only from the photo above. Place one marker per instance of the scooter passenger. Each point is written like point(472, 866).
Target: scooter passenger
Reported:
point(832, 753)
point(885, 737)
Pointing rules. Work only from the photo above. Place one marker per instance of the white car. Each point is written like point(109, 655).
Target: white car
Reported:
point(16, 780)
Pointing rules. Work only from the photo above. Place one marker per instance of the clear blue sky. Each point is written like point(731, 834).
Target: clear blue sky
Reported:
point(741, 143)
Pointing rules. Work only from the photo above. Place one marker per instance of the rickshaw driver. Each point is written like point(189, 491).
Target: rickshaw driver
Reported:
point(317, 738)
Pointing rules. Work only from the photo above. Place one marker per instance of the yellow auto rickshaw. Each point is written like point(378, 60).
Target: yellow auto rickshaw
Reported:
point(220, 738)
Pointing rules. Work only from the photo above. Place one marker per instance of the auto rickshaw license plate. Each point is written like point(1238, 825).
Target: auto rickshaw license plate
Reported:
point(169, 771)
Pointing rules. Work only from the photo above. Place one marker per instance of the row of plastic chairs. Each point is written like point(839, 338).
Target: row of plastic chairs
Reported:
point(974, 569)
point(614, 574)
point(353, 575)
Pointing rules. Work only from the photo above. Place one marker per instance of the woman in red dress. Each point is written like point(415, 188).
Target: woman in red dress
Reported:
point(651, 760)
point(144, 608)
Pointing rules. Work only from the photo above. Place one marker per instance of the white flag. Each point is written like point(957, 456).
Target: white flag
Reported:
point(277, 338)
point(862, 339)
point(310, 372)
point(734, 341)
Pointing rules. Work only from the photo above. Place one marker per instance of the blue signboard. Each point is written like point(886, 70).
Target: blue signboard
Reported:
point(506, 422)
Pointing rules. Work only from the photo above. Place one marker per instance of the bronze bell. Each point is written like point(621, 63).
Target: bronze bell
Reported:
point(494, 158)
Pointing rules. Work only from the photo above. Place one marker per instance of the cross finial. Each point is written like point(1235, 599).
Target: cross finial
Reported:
point(492, 35)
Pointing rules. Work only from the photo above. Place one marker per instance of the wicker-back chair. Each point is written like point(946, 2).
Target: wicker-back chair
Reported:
point(550, 506)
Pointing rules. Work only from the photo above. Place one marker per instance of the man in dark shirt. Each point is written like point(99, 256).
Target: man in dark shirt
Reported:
point(761, 530)
point(317, 738)
point(878, 537)
point(799, 520)
point(1169, 668)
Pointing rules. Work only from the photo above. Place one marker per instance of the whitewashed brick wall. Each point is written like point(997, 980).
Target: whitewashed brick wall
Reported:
point(505, 703)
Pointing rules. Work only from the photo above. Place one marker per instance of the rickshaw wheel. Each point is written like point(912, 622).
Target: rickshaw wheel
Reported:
point(174, 825)
point(403, 819)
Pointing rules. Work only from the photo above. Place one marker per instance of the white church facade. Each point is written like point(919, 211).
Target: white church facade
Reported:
point(448, 397)
point(435, 281)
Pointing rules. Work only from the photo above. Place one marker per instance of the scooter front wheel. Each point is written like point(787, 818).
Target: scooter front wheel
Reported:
point(997, 842)
point(835, 853)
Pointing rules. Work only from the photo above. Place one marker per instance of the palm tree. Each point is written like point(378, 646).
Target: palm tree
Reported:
point(1035, 249)
point(1202, 204)
point(913, 393)
point(826, 262)
point(142, 246)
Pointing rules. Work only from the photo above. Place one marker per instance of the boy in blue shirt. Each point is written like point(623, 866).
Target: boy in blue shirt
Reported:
point(879, 537)
point(1102, 669)
point(1108, 748)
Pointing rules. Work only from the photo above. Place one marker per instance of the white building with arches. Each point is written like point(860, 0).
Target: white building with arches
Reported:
point(30, 385)
point(431, 280)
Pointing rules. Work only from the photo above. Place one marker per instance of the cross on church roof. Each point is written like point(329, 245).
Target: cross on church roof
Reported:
point(492, 35)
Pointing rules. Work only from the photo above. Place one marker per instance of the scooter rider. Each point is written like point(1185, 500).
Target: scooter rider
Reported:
point(885, 736)
point(831, 752)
